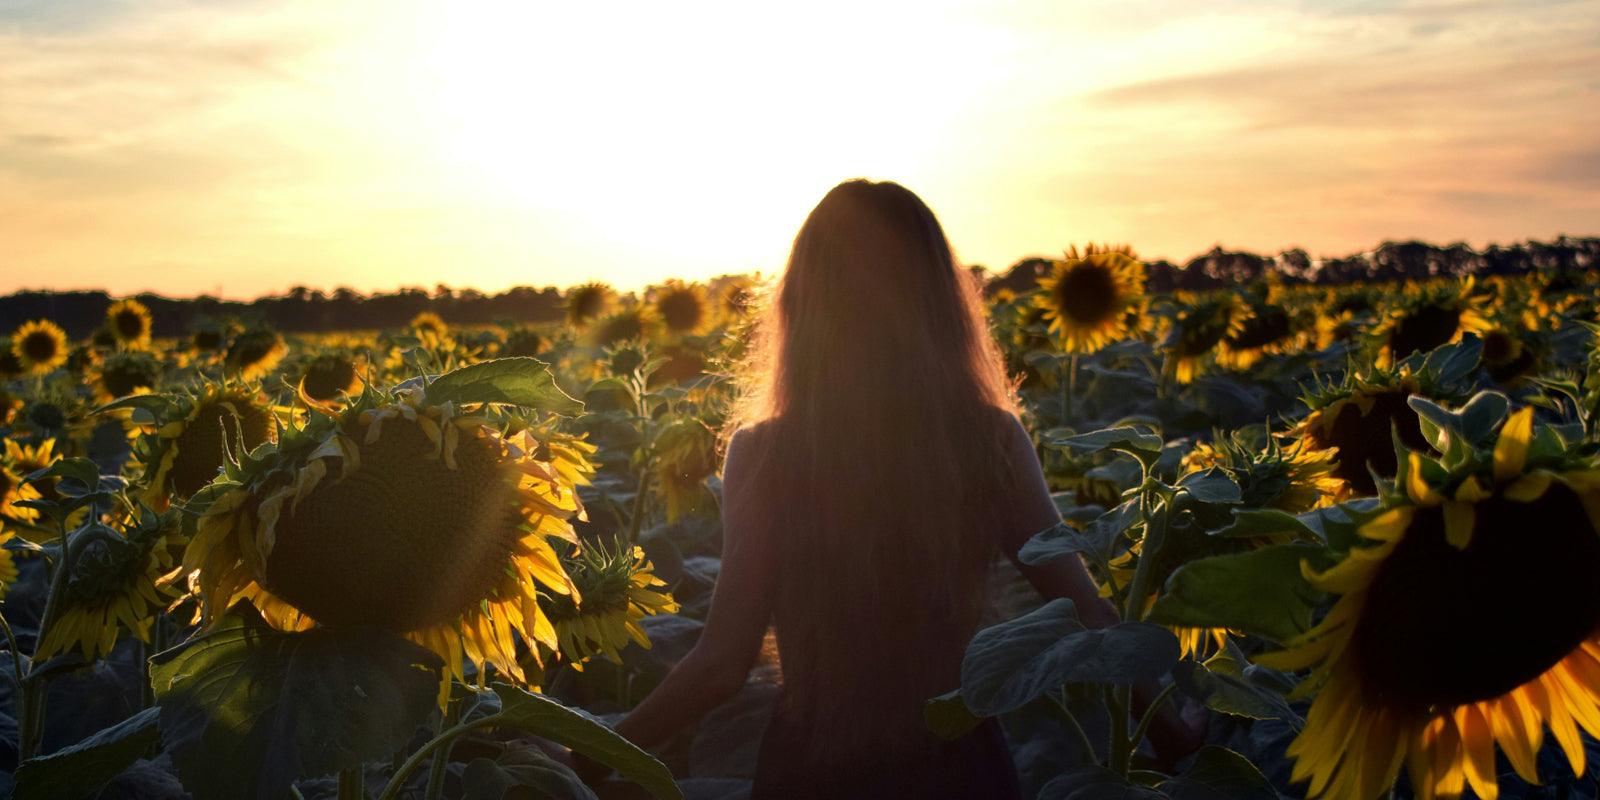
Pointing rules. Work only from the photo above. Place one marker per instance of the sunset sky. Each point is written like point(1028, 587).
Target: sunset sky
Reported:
point(241, 148)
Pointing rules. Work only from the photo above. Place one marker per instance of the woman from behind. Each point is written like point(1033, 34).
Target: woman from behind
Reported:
point(876, 469)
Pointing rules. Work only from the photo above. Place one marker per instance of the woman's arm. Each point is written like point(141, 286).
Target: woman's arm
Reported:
point(741, 607)
point(1036, 511)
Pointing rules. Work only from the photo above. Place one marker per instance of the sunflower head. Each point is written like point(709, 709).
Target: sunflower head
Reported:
point(119, 582)
point(127, 373)
point(736, 297)
point(1266, 328)
point(209, 337)
point(1354, 419)
point(625, 324)
point(587, 302)
point(1428, 318)
point(685, 452)
point(1086, 297)
point(1196, 330)
point(255, 353)
point(191, 435)
point(128, 322)
point(430, 328)
point(616, 588)
point(424, 509)
point(682, 307)
point(524, 341)
point(39, 346)
point(1295, 479)
point(1415, 604)
point(1509, 355)
point(330, 376)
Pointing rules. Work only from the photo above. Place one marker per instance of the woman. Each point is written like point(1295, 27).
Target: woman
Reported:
point(876, 468)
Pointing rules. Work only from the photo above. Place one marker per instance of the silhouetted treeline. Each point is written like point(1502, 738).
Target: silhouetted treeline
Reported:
point(300, 310)
point(1391, 261)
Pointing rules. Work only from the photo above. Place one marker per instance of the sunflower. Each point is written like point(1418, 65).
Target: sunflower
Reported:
point(618, 588)
point(524, 341)
point(193, 433)
point(1294, 479)
point(682, 307)
point(209, 337)
point(1267, 329)
point(330, 376)
point(685, 456)
point(430, 328)
point(1430, 318)
point(1086, 297)
point(126, 373)
point(119, 580)
point(1199, 327)
point(255, 353)
point(128, 323)
point(39, 346)
point(13, 491)
point(1399, 664)
point(736, 297)
point(1509, 356)
point(429, 519)
point(632, 322)
point(8, 563)
point(587, 302)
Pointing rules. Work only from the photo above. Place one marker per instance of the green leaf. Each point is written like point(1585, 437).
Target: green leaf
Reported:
point(1256, 522)
point(584, 734)
point(82, 769)
point(1211, 486)
point(78, 468)
point(1095, 783)
point(1099, 539)
point(1222, 685)
point(486, 779)
point(517, 381)
point(948, 716)
point(1482, 414)
point(246, 710)
point(1011, 664)
point(154, 404)
point(1260, 592)
point(1219, 774)
point(1131, 440)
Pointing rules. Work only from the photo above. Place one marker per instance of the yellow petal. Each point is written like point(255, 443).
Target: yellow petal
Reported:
point(1511, 449)
point(1458, 521)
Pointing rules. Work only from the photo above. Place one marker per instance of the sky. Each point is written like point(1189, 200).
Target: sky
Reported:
point(242, 147)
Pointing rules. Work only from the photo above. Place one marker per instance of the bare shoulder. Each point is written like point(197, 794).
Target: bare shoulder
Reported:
point(1015, 438)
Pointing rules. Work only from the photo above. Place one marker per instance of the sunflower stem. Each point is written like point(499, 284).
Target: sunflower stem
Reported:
point(1065, 713)
point(30, 727)
point(1149, 716)
point(443, 740)
point(1118, 703)
point(16, 655)
point(441, 757)
point(636, 518)
point(350, 780)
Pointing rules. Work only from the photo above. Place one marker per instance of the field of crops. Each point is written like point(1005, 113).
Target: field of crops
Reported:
point(1356, 523)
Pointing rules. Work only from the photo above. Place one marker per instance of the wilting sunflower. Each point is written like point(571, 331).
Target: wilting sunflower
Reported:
point(1400, 664)
point(682, 307)
point(587, 302)
point(255, 353)
point(119, 581)
point(1427, 318)
point(1086, 297)
point(617, 589)
point(330, 376)
point(39, 346)
point(1198, 329)
point(1294, 479)
point(632, 322)
point(128, 322)
point(1354, 418)
point(191, 434)
point(126, 373)
point(426, 518)
point(1267, 329)
point(685, 456)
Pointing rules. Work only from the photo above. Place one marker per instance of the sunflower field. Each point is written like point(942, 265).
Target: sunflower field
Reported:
point(1353, 533)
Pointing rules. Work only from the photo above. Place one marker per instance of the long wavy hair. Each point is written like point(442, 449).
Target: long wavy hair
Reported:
point(877, 402)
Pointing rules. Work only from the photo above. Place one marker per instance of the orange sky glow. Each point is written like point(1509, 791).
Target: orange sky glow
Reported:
point(241, 148)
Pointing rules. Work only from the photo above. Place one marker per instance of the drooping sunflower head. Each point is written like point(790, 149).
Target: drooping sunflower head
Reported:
point(1426, 319)
point(128, 322)
point(1086, 297)
point(39, 346)
point(587, 302)
point(685, 452)
point(255, 353)
point(120, 581)
point(1354, 419)
point(1198, 328)
point(681, 307)
point(1267, 328)
point(127, 373)
point(524, 341)
point(616, 588)
point(631, 322)
point(191, 434)
point(430, 328)
point(1452, 559)
point(13, 491)
point(209, 337)
point(329, 376)
point(425, 509)
point(1295, 479)
point(1509, 355)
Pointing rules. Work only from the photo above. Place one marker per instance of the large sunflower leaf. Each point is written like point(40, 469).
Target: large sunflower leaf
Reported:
point(81, 769)
point(1095, 783)
point(1013, 663)
point(1219, 774)
point(1098, 539)
point(1261, 592)
point(586, 735)
point(1134, 441)
point(246, 710)
point(537, 774)
point(1224, 683)
point(518, 381)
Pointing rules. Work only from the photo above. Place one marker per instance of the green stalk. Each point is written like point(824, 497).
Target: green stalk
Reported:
point(1150, 715)
point(441, 758)
point(350, 780)
point(443, 740)
point(636, 518)
point(30, 727)
point(1121, 699)
point(1066, 715)
point(16, 654)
